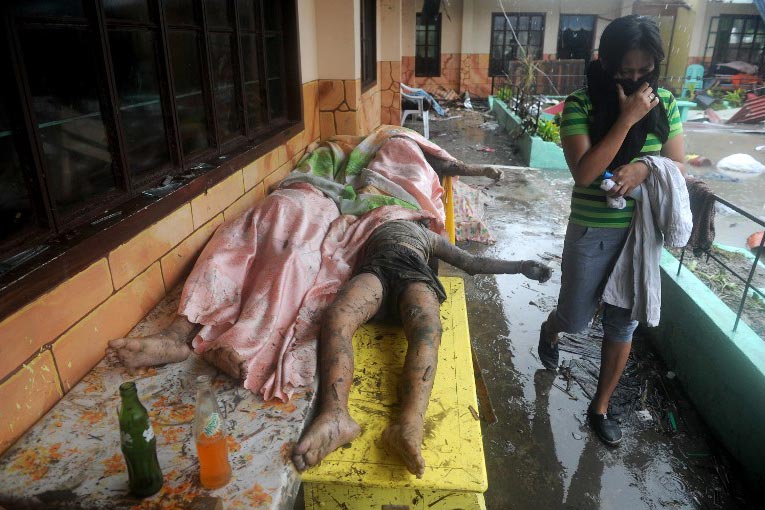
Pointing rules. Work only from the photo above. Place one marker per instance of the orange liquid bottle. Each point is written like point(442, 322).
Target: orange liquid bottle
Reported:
point(210, 438)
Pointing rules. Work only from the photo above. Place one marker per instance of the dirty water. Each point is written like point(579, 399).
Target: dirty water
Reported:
point(540, 453)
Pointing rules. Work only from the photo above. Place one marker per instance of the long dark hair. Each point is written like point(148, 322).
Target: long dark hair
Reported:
point(621, 36)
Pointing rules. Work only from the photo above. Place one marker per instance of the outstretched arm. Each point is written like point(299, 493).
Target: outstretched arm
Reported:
point(472, 264)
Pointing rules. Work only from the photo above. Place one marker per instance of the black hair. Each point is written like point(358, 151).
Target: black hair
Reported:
point(620, 37)
point(628, 33)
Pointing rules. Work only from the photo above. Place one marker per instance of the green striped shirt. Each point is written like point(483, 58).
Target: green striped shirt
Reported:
point(588, 204)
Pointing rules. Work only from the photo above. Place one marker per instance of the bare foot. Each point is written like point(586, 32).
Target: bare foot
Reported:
point(405, 439)
point(329, 431)
point(148, 351)
point(228, 361)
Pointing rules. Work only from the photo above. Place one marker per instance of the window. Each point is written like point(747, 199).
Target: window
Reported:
point(529, 32)
point(732, 38)
point(427, 60)
point(575, 37)
point(368, 43)
point(110, 98)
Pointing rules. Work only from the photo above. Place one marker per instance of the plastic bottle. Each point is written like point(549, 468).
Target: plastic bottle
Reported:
point(138, 444)
point(210, 437)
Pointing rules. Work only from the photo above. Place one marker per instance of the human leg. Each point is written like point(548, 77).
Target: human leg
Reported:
point(168, 346)
point(419, 310)
point(356, 303)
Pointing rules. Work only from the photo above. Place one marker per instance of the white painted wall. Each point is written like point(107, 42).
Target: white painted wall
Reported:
point(309, 66)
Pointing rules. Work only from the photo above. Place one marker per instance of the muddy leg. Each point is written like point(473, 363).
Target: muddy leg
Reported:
point(419, 309)
point(356, 303)
point(168, 346)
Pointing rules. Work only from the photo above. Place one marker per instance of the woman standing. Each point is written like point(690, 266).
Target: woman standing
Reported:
point(620, 116)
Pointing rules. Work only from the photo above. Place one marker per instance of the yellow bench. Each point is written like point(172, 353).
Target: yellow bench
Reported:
point(364, 476)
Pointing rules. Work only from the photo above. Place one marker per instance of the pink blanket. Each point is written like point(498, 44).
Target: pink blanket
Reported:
point(262, 282)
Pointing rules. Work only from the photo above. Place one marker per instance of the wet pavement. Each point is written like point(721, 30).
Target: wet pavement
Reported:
point(540, 453)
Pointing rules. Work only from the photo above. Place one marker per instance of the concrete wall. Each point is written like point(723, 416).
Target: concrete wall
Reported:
point(723, 372)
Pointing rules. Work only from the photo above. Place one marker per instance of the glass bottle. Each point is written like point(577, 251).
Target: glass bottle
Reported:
point(210, 437)
point(138, 444)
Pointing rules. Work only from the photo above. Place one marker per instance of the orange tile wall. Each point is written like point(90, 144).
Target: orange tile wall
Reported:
point(459, 72)
point(50, 344)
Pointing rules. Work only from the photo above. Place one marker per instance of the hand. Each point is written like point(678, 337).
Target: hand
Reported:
point(635, 107)
point(628, 177)
point(534, 270)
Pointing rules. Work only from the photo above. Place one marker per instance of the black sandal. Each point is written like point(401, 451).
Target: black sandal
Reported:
point(548, 353)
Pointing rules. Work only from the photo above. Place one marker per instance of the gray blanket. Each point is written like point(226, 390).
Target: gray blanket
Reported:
point(663, 216)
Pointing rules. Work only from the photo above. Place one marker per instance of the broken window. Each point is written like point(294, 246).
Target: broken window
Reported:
point(736, 38)
point(576, 37)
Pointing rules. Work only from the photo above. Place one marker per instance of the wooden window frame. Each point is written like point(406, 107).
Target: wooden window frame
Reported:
point(71, 245)
point(423, 67)
point(507, 38)
point(368, 45)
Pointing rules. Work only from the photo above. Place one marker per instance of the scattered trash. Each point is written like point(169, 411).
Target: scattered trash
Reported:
point(760, 148)
point(754, 241)
point(491, 125)
point(696, 160)
point(450, 117)
point(576, 436)
point(670, 375)
point(672, 421)
point(487, 149)
point(740, 164)
point(468, 105)
point(644, 415)
point(473, 412)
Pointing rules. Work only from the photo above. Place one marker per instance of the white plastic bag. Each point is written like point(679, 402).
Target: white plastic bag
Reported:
point(741, 164)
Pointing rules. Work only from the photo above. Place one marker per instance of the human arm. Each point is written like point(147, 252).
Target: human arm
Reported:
point(473, 265)
point(586, 161)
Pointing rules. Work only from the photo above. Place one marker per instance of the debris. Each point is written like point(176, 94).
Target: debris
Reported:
point(672, 422)
point(490, 125)
point(753, 111)
point(564, 390)
point(760, 148)
point(474, 413)
point(576, 436)
point(740, 164)
point(670, 375)
point(754, 241)
point(644, 415)
point(485, 149)
point(467, 103)
point(696, 160)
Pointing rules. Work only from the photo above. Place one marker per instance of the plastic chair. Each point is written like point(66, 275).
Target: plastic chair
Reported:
point(694, 75)
point(422, 108)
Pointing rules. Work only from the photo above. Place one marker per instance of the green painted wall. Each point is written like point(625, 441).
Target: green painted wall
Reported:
point(535, 152)
point(723, 372)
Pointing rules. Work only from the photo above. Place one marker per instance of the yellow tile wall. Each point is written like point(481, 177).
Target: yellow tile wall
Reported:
point(40, 359)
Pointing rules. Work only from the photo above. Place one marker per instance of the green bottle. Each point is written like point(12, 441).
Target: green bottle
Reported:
point(138, 444)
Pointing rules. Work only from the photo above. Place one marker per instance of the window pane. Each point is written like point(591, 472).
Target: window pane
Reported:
point(246, 10)
point(272, 15)
point(180, 12)
point(536, 22)
point(432, 37)
point(497, 38)
point(276, 98)
point(50, 8)
point(420, 37)
point(185, 56)
point(16, 210)
point(218, 13)
point(223, 81)
point(256, 110)
point(126, 9)
point(523, 23)
point(135, 72)
point(274, 56)
point(62, 81)
point(536, 38)
point(523, 38)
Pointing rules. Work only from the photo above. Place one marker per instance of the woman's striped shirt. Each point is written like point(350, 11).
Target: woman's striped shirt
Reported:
point(588, 204)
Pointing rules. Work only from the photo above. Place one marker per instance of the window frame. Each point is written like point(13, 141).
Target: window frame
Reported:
point(368, 44)
point(594, 18)
point(716, 31)
point(432, 65)
point(75, 241)
point(492, 61)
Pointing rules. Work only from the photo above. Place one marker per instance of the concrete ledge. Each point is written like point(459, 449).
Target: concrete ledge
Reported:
point(536, 153)
point(723, 372)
